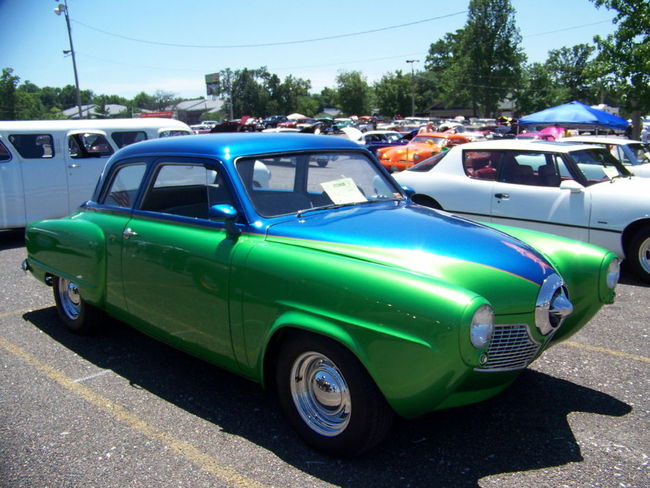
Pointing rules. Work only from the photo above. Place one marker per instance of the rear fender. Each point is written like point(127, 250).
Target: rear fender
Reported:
point(73, 249)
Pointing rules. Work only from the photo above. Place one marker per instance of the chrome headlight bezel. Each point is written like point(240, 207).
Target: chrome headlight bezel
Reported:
point(552, 305)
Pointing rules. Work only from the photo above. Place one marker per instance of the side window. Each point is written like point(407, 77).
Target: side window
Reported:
point(88, 145)
point(5, 155)
point(173, 133)
point(125, 138)
point(124, 185)
point(530, 168)
point(481, 165)
point(188, 190)
point(33, 146)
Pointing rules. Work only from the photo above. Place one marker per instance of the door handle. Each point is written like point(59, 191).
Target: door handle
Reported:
point(128, 233)
point(503, 196)
point(73, 165)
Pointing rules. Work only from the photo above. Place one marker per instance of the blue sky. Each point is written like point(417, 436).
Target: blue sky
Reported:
point(113, 59)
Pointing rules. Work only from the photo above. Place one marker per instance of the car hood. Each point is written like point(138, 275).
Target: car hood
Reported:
point(427, 242)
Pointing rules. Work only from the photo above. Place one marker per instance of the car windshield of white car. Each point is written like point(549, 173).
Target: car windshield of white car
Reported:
point(641, 151)
point(295, 183)
point(598, 165)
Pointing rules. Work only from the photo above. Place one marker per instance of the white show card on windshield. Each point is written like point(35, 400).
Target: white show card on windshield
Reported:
point(344, 190)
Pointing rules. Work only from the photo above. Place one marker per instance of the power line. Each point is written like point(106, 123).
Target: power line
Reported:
point(567, 28)
point(268, 44)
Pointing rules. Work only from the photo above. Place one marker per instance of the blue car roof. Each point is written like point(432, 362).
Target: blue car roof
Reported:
point(227, 146)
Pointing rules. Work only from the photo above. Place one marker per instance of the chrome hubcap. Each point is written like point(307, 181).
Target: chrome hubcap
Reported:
point(70, 298)
point(321, 394)
point(644, 255)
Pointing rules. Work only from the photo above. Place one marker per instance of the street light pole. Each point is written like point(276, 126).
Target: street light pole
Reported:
point(411, 61)
point(58, 10)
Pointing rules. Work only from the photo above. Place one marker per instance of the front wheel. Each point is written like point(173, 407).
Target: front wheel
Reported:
point(76, 314)
point(329, 398)
point(638, 255)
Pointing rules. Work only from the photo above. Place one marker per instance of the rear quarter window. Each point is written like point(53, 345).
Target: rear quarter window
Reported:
point(124, 138)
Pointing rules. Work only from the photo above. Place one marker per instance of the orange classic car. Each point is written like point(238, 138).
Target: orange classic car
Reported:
point(421, 147)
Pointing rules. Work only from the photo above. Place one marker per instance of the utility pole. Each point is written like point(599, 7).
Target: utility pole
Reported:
point(411, 61)
point(63, 8)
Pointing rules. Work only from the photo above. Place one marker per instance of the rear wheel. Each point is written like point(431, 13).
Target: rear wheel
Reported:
point(76, 314)
point(329, 398)
point(638, 255)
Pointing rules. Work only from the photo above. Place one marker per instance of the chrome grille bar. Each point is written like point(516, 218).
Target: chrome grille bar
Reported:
point(511, 348)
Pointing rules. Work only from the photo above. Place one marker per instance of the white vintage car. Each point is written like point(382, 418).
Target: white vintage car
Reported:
point(635, 155)
point(575, 190)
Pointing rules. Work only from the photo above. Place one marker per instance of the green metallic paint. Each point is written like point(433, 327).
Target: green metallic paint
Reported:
point(71, 248)
point(405, 315)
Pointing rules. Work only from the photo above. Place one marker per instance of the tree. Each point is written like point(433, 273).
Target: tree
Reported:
point(538, 90)
point(624, 57)
point(490, 58)
point(327, 98)
point(393, 93)
point(443, 81)
point(571, 69)
point(353, 93)
point(8, 84)
point(30, 107)
point(144, 101)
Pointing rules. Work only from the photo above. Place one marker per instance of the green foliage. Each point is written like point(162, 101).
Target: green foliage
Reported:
point(623, 59)
point(393, 93)
point(480, 64)
point(219, 115)
point(538, 90)
point(260, 93)
point(572, 69)
point(354, 95)
point(490, 54)
point(8, 84)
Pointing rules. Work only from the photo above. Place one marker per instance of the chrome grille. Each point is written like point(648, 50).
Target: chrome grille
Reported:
point(511, 348)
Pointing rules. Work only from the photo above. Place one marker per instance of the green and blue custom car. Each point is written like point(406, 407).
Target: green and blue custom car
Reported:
point(297, 261)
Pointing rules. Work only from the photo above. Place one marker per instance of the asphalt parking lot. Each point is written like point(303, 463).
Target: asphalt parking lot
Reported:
point(118, 409)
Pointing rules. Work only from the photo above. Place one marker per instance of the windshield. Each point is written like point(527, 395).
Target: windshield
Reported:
point(641, 152)
point(438, 141)
point(290, 183)
point(596, 165)
point(428, 163)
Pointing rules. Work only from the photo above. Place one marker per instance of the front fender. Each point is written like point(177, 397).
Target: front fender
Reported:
point(72, 248)
point(403, 328)
point(575, 261)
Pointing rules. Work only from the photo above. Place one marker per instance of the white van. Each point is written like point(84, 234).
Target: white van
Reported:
point(49, 167)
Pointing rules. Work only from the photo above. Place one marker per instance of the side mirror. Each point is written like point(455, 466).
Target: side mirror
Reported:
point(228, 214)
point(572, 186)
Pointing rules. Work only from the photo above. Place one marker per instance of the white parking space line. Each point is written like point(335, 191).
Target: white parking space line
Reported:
point(188, 451)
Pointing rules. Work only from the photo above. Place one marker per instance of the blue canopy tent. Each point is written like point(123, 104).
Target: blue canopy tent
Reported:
point(575, 114)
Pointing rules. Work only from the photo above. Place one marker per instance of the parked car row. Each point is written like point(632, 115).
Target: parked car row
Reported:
point(297, 261)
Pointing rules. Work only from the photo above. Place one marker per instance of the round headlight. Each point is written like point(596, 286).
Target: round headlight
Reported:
point(480, 331)
point(613, 273)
